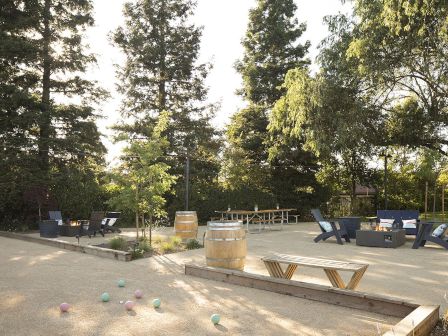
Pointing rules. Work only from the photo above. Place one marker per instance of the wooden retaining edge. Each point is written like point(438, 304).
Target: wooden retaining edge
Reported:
point(93, 250)
point(340, 297)
point(418, 323)
point(416, 320)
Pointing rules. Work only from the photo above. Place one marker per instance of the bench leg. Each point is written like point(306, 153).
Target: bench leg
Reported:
point(290, 271)
point(335, 278)
point(275, 270)
point(356, 278)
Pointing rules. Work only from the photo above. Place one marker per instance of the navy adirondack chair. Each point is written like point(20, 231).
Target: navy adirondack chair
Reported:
point(426, 233)
point(329, 228)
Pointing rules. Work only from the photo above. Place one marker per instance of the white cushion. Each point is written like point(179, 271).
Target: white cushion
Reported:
point(59, 221)
point(386, 222)
point(111, 221)
point(438, 232)
point(326, 226)
point(409, 223)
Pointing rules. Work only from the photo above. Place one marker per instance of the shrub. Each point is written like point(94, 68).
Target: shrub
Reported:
point(145, 246)
point(136, 253)
point(157, 240)
point(193, 244)
point(176, 241)
point(167, 247)
point(118, 243)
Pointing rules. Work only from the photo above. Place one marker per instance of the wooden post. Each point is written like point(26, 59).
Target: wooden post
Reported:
point(426, 198)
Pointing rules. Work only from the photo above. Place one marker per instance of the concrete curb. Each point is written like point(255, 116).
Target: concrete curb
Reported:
point(93, 250)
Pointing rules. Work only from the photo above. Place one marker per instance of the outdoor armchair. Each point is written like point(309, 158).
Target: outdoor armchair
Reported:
point(329, 228)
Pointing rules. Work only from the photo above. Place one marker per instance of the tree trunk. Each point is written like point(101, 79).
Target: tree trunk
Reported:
point(136, 211)
point(45, 118)
point(150, 229)
point(162, 74)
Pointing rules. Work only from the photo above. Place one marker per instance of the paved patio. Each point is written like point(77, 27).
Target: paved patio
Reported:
point(35, 278)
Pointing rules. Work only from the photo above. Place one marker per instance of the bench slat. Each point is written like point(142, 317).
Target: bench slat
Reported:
point(315, 262)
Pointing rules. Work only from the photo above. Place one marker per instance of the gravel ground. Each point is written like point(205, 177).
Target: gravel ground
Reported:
point(35, 279)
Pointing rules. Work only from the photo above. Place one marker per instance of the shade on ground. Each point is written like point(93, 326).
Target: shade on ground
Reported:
point(34, 279)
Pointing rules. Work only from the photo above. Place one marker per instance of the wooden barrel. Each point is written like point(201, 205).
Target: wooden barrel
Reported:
point(225, 244)
point(186, 224)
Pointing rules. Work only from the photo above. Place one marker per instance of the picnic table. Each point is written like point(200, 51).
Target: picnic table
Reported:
point(264, 218)
point(330, 267)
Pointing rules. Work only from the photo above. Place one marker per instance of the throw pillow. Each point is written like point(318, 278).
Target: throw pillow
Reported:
point(438, 232)
point(409, 223)
point(386, 222)
point(326, 226)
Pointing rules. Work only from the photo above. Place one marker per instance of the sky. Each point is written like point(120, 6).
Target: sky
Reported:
point(224, 24)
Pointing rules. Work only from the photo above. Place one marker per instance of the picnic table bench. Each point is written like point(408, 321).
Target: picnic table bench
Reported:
point(330, 267)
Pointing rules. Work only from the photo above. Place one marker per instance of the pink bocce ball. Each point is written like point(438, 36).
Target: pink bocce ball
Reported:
point(64, 307)
point(129, 305)
point(138, 294)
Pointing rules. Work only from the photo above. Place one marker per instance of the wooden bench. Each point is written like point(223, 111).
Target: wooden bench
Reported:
point(330, 267)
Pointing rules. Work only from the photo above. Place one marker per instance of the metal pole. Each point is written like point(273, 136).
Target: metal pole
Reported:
point(426, 198)
point(187, 182)
point(434, 202)
point(443, 203)
point(385, 181)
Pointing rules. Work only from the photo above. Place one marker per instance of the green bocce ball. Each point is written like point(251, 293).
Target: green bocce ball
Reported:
point(121, 283)
point(215, 318)
point(105, 297)
point(156, 303)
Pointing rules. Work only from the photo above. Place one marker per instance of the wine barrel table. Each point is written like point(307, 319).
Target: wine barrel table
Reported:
point(186, 224)
point(225, 244)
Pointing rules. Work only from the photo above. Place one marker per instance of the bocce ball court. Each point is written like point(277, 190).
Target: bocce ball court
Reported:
point(36, 278)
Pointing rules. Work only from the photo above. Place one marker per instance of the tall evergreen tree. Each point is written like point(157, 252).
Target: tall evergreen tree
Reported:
point(42, 58)
point(161, 72)
point(271, 49)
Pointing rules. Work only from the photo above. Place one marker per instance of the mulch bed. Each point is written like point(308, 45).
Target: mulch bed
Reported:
point(439, 330)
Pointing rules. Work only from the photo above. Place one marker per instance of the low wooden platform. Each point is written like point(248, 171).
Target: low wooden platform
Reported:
point(330, 267)
point(417, 320)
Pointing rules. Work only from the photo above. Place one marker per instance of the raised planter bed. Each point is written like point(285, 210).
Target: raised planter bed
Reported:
point(417, 320)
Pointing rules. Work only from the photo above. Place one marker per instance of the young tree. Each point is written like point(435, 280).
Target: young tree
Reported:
point(142, 180)
point(161, 72)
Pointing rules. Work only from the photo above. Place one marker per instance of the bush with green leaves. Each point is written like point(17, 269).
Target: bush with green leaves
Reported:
point(193, 244)
point(145, 246)
point(157, 239)
point(136, 253)
point(175, 241)
point(118, 243)
point(167, 247)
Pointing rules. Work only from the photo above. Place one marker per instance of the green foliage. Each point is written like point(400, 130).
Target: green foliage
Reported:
point(248, 174)
point(193, 244)
point(270, 50)
point(145, 246)
point(157, 239)
point(118, 243)
point(141, 181)
point(175, 241)
point(167, 247)
point(137, 253)
point(399, 48)
point(43, 130)
point(162, 72)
